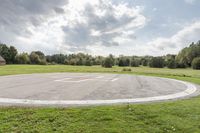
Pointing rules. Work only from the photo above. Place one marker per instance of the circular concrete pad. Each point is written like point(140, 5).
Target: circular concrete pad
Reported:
point(86, 89)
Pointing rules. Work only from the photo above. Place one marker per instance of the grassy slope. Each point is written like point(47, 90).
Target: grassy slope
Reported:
point(177, 116)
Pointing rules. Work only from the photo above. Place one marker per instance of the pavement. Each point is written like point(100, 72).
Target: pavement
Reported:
point(71, 89)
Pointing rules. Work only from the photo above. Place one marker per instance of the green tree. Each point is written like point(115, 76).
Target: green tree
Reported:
point(196, 63)
point(34, 58)
point(8, 53)
point(57, 58)
point(135, 62)
point(124, 61)
point(157, 62)
point(13, 53)
point(186, 55)
point(107, 63)
point(171, 63)
point(40, 54)
point(37, 57)
point(22, 58)
point(5, 52)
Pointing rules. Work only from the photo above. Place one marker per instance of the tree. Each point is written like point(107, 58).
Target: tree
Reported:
point(98, 60)
point(124, 61)
point(37, 57)
point(135, 62)
point(112, 59)
point(186, 55)
point(196, 63)
point(5, 52)
point(40, 54)
point(22, 58)
point(72, 61)
point(144, 62)
point(34, 58)
point(8, 53)
point(56, 58)
point(107, 63)
point(13, 53)
point(88, 62)
point(171, 63)
point(157, 62)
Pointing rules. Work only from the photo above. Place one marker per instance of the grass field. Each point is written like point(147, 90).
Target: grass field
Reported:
point(174, 116)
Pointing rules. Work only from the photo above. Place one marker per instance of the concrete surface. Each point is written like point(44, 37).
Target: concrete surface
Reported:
point(85, 89)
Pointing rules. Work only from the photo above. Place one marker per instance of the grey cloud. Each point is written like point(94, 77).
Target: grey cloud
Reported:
point(17, 15)
point(108, 25)
point(59, 10)
point(107, 22)
point(78, 35)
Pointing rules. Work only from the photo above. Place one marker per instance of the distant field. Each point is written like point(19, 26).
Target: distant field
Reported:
point(174, 116)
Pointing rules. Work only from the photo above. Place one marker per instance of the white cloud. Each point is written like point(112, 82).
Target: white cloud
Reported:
point(93, 26)
point(72, 25)
point(100, 22)
point(173, 44)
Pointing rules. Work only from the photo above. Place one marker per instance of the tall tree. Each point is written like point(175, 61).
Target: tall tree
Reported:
point(13, 53)
point(8, 53)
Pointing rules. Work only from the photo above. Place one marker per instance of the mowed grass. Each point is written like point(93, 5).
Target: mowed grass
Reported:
point(173, 116)
point(182, 74)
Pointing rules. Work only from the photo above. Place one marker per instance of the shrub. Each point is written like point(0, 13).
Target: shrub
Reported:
point(157, 62)
point(107, 63)
point(88, 63)
point(135, 63)
point(144, 62)
point(196, 63)
point(171, 64)
point(34, 58)
point(124, 61)
point(126, 70)
point(22, 58)
point(43, 62)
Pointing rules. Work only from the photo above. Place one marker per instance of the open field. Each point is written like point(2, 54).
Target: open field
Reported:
point(175, 116)
point(182, 74)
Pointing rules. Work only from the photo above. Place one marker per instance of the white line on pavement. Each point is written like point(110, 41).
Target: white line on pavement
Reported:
point(61, 80)
point(114, 79)
point(99, 77)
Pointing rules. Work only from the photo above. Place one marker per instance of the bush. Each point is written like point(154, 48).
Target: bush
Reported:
point(171, 64)
point(135, 63)
point(126, 70)
point(88, 63)
point(34, 58)
point(124, 61)
point(107, 63)
point(144, 62)
point(180, 65)
point(196, 63)
point(22, 58)
point(43, 62)
point(157, 62)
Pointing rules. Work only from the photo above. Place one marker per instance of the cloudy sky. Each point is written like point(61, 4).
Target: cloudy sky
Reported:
point(100, 27)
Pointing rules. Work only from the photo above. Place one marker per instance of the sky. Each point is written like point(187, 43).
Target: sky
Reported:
point(100, 27)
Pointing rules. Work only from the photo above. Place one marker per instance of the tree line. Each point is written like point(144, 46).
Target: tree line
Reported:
point(187, 57)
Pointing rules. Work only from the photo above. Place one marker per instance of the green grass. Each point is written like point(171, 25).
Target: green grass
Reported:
point(182, 74)
point(174, 116)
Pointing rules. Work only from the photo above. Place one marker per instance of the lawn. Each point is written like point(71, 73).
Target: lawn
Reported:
point(174, 116)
